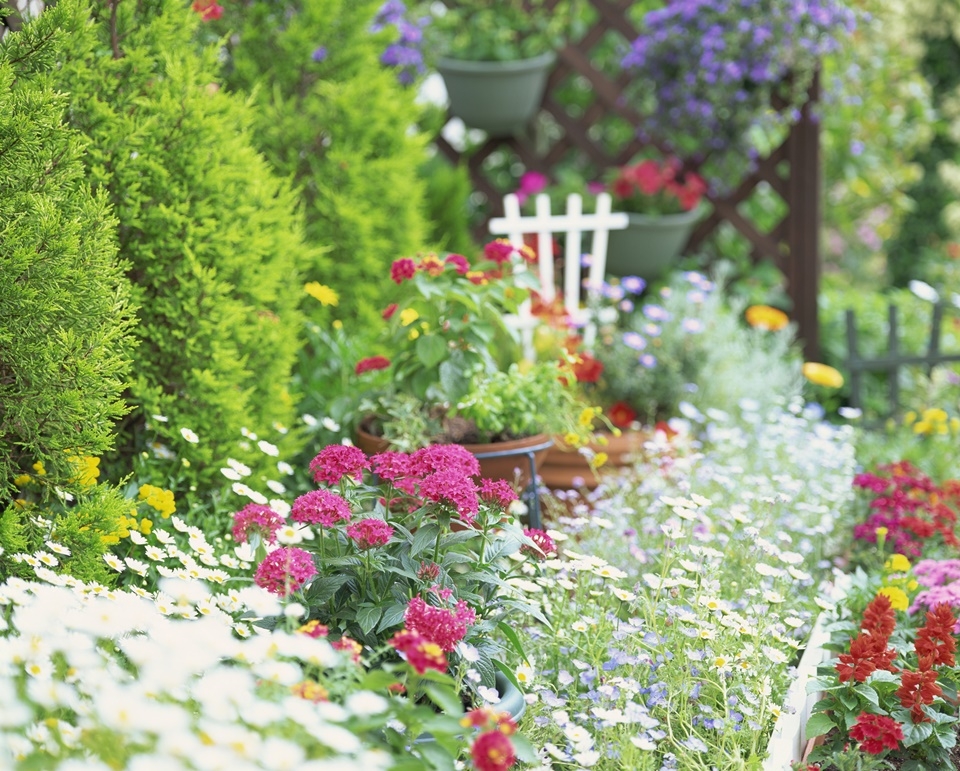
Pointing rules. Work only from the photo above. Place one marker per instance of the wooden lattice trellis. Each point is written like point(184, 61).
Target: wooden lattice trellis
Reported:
point(792, 170)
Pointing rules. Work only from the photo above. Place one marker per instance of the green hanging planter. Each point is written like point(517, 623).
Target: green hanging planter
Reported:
point(497, 97)
point(650, 244)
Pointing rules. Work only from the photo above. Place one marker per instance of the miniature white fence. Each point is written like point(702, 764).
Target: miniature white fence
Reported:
point(573, 224)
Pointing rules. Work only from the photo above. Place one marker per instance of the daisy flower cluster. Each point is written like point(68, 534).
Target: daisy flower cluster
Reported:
point(99, 679)
point(674, 650)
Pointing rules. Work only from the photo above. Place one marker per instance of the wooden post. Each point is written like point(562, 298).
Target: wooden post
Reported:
point(803, 228)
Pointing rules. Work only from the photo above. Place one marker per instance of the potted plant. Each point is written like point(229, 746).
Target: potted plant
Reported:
point(706, 75)
point(662, 201)
point(494, 57)
point(378, 567)
point(451, 370)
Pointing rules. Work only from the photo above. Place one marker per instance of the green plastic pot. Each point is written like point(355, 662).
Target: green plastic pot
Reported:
point(650, 244)
point(497, 97)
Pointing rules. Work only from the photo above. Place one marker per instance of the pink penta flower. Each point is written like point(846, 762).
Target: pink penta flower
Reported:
point(368, 533)
point(285, 570)
point(337, 461)
point(498, 491)
point(454, 488)
point(391, 465)
point(444, 457)
point(320, 507)
point(542, 541)
point(442, 626)
point(459, 262)
point(256, 519)
point(371, 363)
point(403, 269)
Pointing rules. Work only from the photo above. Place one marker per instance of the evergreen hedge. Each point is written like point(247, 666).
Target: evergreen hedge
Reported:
point(212, 236)
point(333, 118)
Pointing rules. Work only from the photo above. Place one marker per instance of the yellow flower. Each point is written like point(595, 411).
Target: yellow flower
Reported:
point(408, 316)
point(38, 467)
point(897, 563)
point(572, 439)
point(22, 480)
point(413, 334)
point(909, 417)
point(898, 597)
point(337, 324)
point(320, 292)
point(586, 417)
point(146, 526)
point(598, 460)
point(161, 500)
point(822, 374)
point(766, 317)
point(87, 470)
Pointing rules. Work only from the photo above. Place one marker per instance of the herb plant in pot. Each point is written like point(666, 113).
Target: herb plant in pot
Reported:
point(495, 56)
point(663, 203)
point(451, 371)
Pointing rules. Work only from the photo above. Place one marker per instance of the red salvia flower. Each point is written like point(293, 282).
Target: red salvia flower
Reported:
point(876, 733)
point(878, 618)
point(917, 689)
point(867, 654)
point(935, 641)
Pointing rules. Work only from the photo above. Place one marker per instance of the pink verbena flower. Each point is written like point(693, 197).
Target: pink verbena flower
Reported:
point(336, 461)
point(442, 626)
point(543, 542)
point(499, 251)
point(256, 519)
point(403, 269)
point(422, 654)
point(498, 491)
point(454, 488)
point(285, 570)
point(444, 457)
point(459, 263)
point(370, 532)
point(320, 507)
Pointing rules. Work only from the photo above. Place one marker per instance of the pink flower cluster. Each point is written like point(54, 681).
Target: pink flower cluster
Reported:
point(942, 579)
point(256, 519)
point(285, 570)
point(371, 532)
point(337, 461)
point(320, 507)
point(442, 626)
point(542, 541)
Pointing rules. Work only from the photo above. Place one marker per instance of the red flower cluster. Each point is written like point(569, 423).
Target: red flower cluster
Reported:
point(917, 689)
point(876, 733)
point(403, 269)
point(284, 570)
point(371, 363)
point(420, 652)
point(348, 645)
point(621, 414)
point(868, 650)
point(651, 179)
point(337, 461)
point(370, 532)
point(498, 491)
point(501, 251)
point(935, 642)
point(442, 626)
point(910, 506)
point(586, 368)
point(209, 10)
point(492, 750)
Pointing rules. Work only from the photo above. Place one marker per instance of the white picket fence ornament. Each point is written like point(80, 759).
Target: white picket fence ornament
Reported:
point(573, 224)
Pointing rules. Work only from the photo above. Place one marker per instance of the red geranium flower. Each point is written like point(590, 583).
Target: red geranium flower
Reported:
point(621, 414)
point(876, 733)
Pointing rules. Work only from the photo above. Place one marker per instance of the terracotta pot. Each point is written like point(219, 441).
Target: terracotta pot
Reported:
point(566, 469)
point(498, 460)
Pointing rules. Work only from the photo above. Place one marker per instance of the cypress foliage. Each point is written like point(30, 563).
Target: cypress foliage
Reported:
point(65, 322)
point(338, 122)
point(212, 236)
point(65, 311)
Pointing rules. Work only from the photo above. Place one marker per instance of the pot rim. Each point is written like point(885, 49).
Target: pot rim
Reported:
point(471, 66)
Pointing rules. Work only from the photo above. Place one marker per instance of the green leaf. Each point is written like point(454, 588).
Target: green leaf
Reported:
point(847, 698)
point(507, 673)
point(322, 589)
point(513, 638)
point(947, 738)
point(869, 694)
point(392, 616)
point(431, 350)
point(818, 725)
point(435, 755)
point(914, 733)
point(367, 617)
point(425, 538)
point(377, 680)
point(818, 684)
point(526, 752)
point(446, 699)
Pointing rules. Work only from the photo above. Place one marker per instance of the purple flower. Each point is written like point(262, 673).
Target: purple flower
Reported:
point(634, 340)
point(648, 360)
point(692, 326)
point(656, 312)
point(320, 54)
point(633, 284)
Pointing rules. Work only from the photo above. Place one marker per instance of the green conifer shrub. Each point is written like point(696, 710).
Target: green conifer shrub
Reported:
point(212, 236)
point(338, 122)
point(65, 322)
point(65, 311)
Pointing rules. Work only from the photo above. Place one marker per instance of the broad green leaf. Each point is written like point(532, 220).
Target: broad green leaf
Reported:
point(424, 539)
point(367, 617)
point(868, 693)
point(392, 616)
point(446, 699)
point(438, 758)
point(431, 350)
point(914, 733)
point(526, 752)
point(818, 725)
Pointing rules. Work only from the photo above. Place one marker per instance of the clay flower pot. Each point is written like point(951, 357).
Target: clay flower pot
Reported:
point(567, 469)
